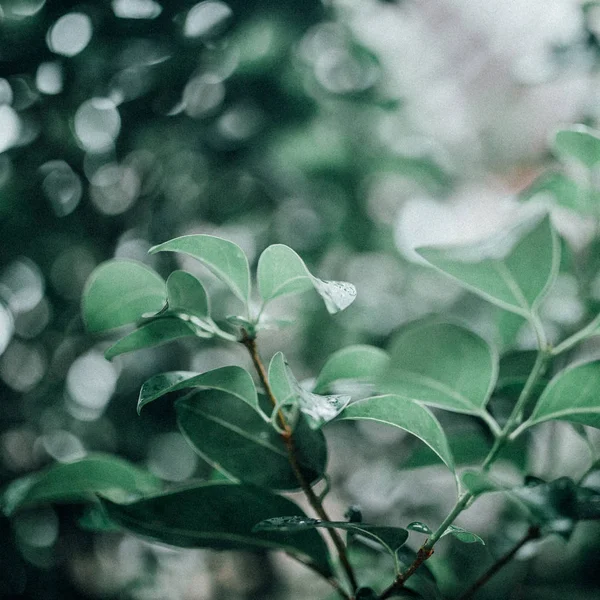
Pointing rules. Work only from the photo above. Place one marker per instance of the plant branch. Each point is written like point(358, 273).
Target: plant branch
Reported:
point(332, 581)
point(532, 534)
point(288, 438)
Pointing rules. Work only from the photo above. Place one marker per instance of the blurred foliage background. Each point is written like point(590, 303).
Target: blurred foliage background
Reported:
point(350, 131)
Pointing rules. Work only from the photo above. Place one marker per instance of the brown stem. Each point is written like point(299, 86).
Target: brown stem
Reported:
point(532, 534)
point(422, 555)
point(288, 439)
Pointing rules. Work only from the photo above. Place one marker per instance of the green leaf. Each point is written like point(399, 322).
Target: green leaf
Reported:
point(391, 538)
point(479, 483)
point(357, 363)
point(406, 414)
point(187, 295)
point(79, 481)
point(564, 191)
point(580, 143)
point(233, 380)
point(218, 515)
point(513, 271)
point(572, 395)
point(234, 438)
point(281, 272)
point(444, 365)
point(119, 292)
point(419, 527)
point(317, 409)
point(463, 535)
point(223, 258)
point(156, 332)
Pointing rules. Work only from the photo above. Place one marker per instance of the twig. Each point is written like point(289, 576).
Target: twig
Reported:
point(532, 534)
point(332, 581)
point(288, 439)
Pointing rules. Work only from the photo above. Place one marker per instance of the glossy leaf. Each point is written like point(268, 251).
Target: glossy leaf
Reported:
point(156, 332)
point(514, 270)
point(233, 380)
point(444, 365)
point(281, 272)
point(317, 409)
point(463, 535)
point(79, 481)
point(406, 414)
point(419, 527)
point(187, 295)
point(221, 516)
point(357, 363)
point(223, 258)
point(578, 143)
point(572, 395)
point(119, 292)
point(391, 538)
point(236, 440)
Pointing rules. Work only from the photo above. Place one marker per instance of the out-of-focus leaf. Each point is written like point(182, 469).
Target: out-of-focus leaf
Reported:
point(564, 190)
point(572, 395)
point(358, 363)
point(220, 516)
point(479, 483)
point(406, 414)
point(232, 379)
point(156, 332)
point(187, 295)
point(119, 292)
point(236, 440)
point(223, 258)
point(444, 365)
point(317, 409)
point(580, 143)
point(514, 270)
point(79, 481)
point(281, 272)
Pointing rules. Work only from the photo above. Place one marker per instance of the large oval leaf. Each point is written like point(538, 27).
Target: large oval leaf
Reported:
point(119, 292)
point(221, 516)
point(223, 258)
point(237, 441)
point(572, 395)
point(406, 414)
point(233, 380)
point(443, 365)
point(355, 363)
point(154, 333)
point(79, 481)
point(281, 271)
point(514, 270)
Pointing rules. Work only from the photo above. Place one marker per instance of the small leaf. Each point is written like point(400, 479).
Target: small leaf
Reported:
point(79, 481)
point(223, 258)
point(564, 191)
point(580, 143)
point(235, 439)
point(218, 515)
point(444, 365)
point(281, 272)
point(359, 363)
point(317, 409)
point(119, 292)
point(391, 538)
point(479, 483)
point(572, 395)
point(187, 295)
point(463, 535)
point(513, 271)
point(233, 380)
point(419, 527)
point(406, 414)
point(156, 332)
